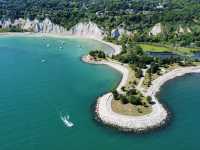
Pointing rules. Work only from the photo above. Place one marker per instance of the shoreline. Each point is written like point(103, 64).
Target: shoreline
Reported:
point(116, 48)
point(159, 115)
point(103, 110)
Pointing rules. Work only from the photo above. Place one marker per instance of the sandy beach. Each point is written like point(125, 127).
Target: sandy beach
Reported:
point(116, 48)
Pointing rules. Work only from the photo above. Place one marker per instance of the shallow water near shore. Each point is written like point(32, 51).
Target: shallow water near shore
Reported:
point(44, 78)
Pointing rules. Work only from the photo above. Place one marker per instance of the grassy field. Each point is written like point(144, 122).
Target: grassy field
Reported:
point(186, 50)
point(154, 48)
point(167, 48)
point(131, 78)
point(129, 109)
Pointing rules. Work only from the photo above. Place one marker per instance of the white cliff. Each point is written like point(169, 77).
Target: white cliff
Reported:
point(188, 30)
point(82, 29)
point(19, 22)
point(87, 29)
point(5, 23)
point(157, 29)
point(45, 26)
point(181, 30)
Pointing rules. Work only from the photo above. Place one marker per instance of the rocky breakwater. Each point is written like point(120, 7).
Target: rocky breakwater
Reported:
point(156, 118)
point(104, 111)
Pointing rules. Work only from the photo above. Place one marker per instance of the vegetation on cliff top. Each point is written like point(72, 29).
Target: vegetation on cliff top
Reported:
point(137, 16)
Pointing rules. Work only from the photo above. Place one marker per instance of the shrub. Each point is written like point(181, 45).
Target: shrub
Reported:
point(124, 99)
point(135, 100)
point(132, 92)
point(123, 88)
point(115, 95)
point(139, 110)
point(138, 73)
point(149, 99)
point(97, 53)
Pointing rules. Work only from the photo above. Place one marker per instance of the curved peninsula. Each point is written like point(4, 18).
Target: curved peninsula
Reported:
point(159, 114)
point(103, 109)
point(136, 123)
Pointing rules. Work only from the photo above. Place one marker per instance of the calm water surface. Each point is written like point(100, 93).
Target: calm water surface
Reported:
point(34, 92)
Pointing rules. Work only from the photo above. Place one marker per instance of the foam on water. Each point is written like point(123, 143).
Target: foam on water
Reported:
point(66, 121)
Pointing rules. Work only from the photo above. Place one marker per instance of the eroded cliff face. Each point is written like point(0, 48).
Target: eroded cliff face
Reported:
point(87, 29)
point(183, 30)
point(45, 26)
point(83, 29)
point(157, 29)
point(5, 23)
point(160, 29)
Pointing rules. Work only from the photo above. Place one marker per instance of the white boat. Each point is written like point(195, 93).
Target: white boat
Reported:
point(43, 60)
point(48, 45)
point(66, 121)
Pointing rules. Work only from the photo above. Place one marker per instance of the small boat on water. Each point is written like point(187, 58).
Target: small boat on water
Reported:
point(66, 121)
point(48, 45)
point(43, 60)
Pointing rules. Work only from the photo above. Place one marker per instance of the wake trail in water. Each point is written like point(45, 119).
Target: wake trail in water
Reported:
point(66, 121)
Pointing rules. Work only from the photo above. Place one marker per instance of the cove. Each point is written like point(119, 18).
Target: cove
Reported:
point(34, 93)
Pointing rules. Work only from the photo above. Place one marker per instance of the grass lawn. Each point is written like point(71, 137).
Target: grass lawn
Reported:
point(130, 109)
point(131, 78)
point(186, 50)
point(154, 48)
point(166, 48)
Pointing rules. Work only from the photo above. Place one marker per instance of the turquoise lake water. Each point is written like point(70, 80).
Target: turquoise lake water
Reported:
point(42, 79)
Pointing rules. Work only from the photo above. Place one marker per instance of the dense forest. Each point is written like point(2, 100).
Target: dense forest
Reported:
point(132, 15)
